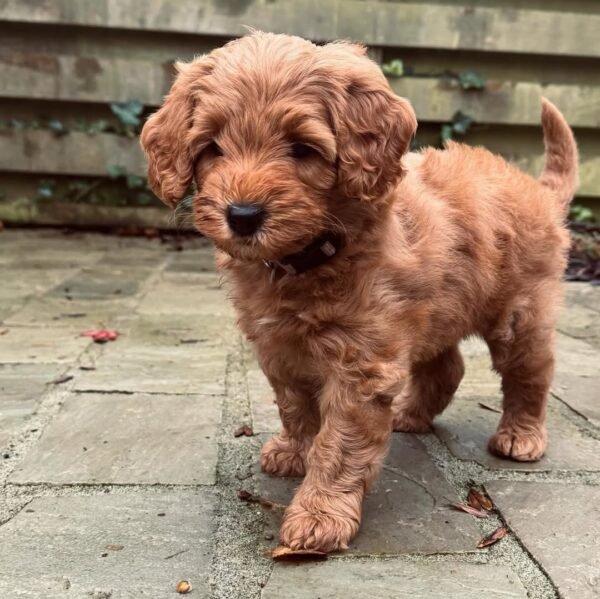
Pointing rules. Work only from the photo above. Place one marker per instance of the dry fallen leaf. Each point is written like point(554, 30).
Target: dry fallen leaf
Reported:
point(486, 406)
point(478, 500)
point(114, 547)
point(461, 507)
point(183, 587)
point(492, 538)
point(251, 498)
point(244, 430)
point(285, 553)
point(101, 335)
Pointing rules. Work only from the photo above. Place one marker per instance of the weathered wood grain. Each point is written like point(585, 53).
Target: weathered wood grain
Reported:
point(82, 155)
point(72, 154)
point(376, 23)
point(43, 212)
point(92, 79)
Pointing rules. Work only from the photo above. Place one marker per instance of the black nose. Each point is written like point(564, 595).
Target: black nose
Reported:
point(244, 219)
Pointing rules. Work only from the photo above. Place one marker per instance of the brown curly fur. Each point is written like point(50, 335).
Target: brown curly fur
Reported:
point(438, 245)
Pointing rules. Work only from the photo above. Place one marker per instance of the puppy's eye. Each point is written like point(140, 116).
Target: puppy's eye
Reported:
point(213, 149)
point(301, 151)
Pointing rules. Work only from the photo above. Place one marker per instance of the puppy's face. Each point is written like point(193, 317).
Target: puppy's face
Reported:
point(283, 139)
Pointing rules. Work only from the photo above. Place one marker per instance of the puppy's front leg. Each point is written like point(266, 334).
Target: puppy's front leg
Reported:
point(285, 454)
point(345, 457)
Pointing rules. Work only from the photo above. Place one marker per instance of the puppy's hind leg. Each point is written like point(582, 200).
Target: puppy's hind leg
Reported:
point(525, 359)
point(285, 454)
point(429, 390)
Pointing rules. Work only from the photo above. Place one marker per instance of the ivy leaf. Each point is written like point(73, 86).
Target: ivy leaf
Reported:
point(135, 182)
point(144, 198)
point(116, 171)
point(97, 126)
point(581, 214)
point(46, 188)
point(128, 112)
point(394, 68)
point(461, 122)
point(447, 134)
point(471, 80)
point(57, 127)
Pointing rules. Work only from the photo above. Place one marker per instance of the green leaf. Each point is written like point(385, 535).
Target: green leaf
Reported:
point(394, 68)
point(16, 124)
point(471, 80)
point(144, 198)
point(135, 182)
point(115, 171)
point(57, 127)
point(128, 112)
point(446, 133)
point(581, 214)
point(461, 122)
point(97, 126)
point(80, 124)
point(46, 188)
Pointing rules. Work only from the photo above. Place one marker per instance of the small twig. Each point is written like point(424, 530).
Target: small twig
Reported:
point(176, 554)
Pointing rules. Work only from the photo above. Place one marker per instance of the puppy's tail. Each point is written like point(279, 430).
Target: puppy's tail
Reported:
point(561, 156)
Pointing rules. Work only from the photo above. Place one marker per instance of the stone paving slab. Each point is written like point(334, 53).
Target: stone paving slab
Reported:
point(581, 322)
point(575, 356)
point(582, 294)
point(53, 258)
point(102, 282)
point(405, 513)
point(127, 439)
point(465, 427)
point(155, 369)
point(187, 293)
point(117, 546)
point(21, 386)
point(392, 579)
point(577, 378)
point(20, 284)
point(76, 314)
point(200, 260)
point(560, 525)
point(265, 416)
point(32, 345)
point(195, 332)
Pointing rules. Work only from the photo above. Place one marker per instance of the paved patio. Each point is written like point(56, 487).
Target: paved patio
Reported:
point(120, 470)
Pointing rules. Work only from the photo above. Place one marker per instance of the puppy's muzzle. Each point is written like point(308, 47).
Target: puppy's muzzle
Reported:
point(245, 219)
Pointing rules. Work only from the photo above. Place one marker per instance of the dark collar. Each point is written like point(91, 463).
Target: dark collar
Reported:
point(317, 253)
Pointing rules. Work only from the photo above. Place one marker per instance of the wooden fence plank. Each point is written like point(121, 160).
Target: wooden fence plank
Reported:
point(72, 154)
point(44, 212)
point(375, 23)
point(82, 78)
point(501, 102)
point(81, 155)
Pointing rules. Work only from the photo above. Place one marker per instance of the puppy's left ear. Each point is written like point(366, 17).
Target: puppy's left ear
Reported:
point(373, 126)
point(169, 139)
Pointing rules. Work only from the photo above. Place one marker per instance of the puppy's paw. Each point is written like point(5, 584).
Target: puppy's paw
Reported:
point(319, 531)
point(282, 456)
point(403, 422)
point(518, 444)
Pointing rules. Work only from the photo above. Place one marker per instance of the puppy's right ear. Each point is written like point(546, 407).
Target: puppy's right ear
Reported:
point(167, 137)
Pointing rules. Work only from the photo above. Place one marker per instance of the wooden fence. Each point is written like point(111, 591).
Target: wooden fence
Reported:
point(77, 77)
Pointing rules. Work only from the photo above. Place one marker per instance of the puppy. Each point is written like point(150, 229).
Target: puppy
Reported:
point(356, 267)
